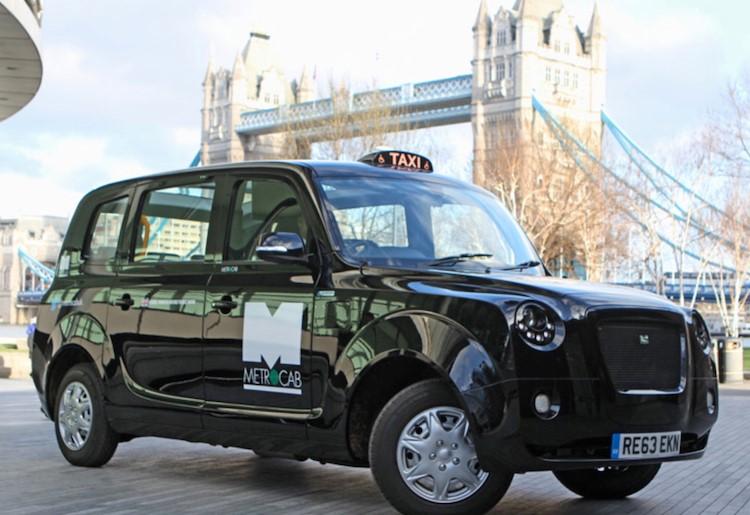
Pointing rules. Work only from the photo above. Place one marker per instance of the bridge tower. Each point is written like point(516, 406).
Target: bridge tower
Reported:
point(535, 48)
point(255, 82)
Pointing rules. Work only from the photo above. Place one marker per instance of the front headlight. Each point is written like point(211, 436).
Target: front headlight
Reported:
point(702, 333)
point(539, 327)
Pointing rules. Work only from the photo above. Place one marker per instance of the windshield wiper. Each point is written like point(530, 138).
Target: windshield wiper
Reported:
point(523, 266)
point(452, 260)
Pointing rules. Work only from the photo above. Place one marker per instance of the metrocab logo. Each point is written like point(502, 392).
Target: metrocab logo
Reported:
point(271, 348)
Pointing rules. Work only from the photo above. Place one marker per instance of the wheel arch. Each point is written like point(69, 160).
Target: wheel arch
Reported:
point(68, 356)
point(445, 351)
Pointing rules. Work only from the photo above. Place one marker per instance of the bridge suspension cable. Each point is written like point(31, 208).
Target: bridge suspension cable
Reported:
point(196, 160)
point(631, 147)
point(628, 147)
point(561, 132)
point(569, 142)
point(39, 269)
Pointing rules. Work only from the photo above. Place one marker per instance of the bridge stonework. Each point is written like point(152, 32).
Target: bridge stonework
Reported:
point(255, 83)
point(534, 48)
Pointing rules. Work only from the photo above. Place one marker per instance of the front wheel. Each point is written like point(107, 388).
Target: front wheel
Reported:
point(608, 482)
point(423, 458)
point(81, 426)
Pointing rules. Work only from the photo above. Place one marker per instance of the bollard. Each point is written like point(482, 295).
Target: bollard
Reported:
point(715, 351)
point(730, 361)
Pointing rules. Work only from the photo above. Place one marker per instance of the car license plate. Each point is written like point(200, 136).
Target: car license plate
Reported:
point(639, 446)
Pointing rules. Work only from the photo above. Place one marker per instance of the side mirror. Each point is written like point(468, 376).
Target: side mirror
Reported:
point(282, 247)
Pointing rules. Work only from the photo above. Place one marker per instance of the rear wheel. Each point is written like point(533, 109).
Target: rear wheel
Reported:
point(608, 482)
point(423, 458)
point(83, 433)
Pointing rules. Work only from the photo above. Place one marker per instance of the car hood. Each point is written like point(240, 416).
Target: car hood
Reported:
point(568, 292)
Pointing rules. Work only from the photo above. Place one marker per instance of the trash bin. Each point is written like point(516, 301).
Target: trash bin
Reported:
point(730, 361)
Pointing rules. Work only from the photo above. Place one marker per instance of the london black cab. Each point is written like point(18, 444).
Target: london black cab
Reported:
point(368, 314)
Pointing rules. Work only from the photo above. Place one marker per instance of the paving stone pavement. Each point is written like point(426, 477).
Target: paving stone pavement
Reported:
point(163, 476)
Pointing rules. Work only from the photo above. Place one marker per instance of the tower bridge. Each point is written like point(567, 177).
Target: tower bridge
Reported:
point(533, 48)
point(533, 71)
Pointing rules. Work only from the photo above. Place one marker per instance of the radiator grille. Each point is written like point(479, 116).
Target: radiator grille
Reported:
point(642, 356)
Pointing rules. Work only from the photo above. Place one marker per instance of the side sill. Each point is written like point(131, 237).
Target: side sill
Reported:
point(213, 407)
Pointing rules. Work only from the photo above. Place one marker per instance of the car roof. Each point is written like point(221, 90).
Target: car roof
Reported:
point(311, 167)
point(357, 169)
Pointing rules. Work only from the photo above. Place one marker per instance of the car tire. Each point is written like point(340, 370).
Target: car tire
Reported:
point(399, 426)
point(608, 483)
point(81, 427)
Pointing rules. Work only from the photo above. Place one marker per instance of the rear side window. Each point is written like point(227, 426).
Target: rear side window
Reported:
point(173, 224)
point(105, 231)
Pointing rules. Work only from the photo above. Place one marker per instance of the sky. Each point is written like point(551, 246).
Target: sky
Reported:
point(121, 90)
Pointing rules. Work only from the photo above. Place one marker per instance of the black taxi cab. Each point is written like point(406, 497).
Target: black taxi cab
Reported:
point(368, 314)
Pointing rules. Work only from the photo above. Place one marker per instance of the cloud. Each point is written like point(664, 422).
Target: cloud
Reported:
point(65, 64)
point(72, 159)
point(645, 30)
point(49, 174)
point(90, 87)
point(23, 195)
point(186, 136)
point(666, 64)
point(63, 156)
point(225, 34)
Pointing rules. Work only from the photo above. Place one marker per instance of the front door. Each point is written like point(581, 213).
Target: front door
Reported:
point(157, 305)
point(258, 325)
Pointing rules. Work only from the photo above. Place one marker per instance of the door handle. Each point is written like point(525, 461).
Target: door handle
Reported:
point(225, 305)
point(125, 302)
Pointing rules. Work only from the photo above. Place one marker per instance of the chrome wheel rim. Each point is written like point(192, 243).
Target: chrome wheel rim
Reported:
point(436, 457)
point(74, 416)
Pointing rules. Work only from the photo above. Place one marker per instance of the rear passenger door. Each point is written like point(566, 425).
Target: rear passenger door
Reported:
point(259, 314)
point(78, 303)
point(158, 304)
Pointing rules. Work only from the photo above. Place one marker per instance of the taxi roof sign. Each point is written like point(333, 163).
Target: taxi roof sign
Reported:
point(399, 160)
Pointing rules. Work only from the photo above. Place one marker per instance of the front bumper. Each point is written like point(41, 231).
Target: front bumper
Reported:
point(603, 380)
point(580, 435)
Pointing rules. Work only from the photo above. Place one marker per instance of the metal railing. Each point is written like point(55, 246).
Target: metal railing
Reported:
point(421, 104)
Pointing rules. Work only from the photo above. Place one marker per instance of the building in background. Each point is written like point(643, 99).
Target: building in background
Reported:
point(256, 81)
point(40, 237)
point(20, 57)
point(535, 48)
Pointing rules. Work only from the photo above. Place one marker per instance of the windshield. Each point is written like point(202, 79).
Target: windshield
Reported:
point(416, 223)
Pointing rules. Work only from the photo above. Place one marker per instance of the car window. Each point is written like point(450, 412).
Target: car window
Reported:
point(385, 224)
point(173, 224)
point(440, 220)
point(462, 228)
point(262, 206)
point(105, 231)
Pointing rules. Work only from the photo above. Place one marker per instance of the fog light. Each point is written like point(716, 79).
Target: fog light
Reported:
point(710, 402)
point(544, 407)
point(542, 403)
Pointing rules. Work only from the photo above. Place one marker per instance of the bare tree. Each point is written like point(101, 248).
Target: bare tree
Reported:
point(730, 280)
point(353, 124)
point(566, 211)
point(729, 148)
point(697, 229)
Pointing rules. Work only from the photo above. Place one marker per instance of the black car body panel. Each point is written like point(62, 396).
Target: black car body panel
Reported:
point(168, 356)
